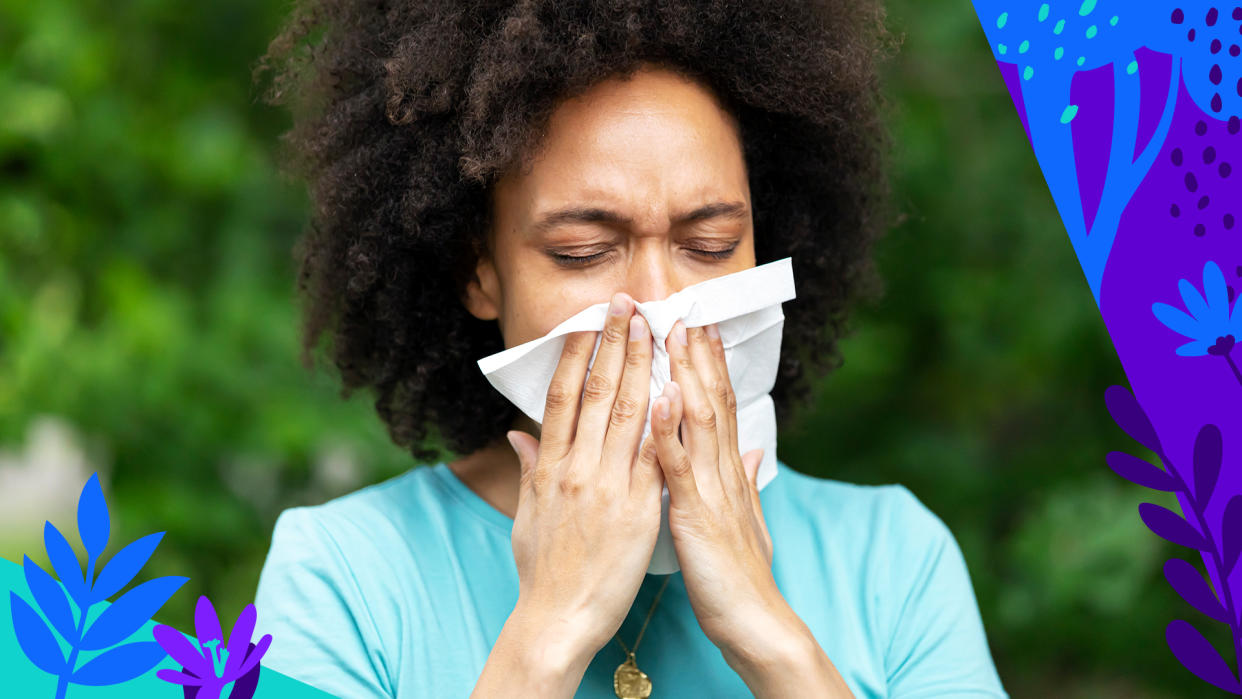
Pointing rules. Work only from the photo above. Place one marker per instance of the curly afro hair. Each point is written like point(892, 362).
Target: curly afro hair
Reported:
point(407, 111)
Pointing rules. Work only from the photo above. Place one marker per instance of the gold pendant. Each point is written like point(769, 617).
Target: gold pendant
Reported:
point(629, 682)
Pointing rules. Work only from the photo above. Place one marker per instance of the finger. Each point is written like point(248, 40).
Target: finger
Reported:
point(629, 410)
point(699, 418)
point(750, 462)
point(527, 449)
point(560, 412)
point(722, 367)
point(602, 383)
point(674, 461)
point(646, 475)
point(715, 379)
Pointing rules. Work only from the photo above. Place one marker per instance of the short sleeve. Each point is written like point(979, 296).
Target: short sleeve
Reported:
point(937, 643)
point(310, 602)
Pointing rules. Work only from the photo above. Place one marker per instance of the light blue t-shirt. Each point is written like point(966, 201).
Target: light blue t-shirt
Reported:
point(400, 590)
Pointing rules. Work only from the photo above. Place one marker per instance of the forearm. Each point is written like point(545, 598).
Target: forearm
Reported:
point(785, 660)
point(533, 657)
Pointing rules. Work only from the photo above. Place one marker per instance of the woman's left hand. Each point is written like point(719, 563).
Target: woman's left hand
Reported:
point(715, 516)
point(716, 521)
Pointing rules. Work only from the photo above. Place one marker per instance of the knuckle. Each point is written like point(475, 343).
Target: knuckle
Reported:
point(636, 359)
point(558, 398)
point(648, 452)
point(681, 466)
point(624, 410)
point(685, 363)
point(704, 417)
point(731, 402)
point(575, 346)
point(615, 333)
point(569, 486)
point(539, 478)
point(720, 388)
point(598, 387)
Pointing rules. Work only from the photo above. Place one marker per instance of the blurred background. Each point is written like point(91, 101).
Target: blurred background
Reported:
point(148, 331)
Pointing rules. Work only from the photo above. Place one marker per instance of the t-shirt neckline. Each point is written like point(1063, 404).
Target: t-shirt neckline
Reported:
point(471, 499)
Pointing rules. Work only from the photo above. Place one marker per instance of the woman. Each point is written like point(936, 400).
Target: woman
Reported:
point(483, 171)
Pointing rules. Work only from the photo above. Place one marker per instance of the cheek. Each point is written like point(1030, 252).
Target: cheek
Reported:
point(540, 304)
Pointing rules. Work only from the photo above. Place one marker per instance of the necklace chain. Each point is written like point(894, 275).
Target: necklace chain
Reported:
point(638, 640)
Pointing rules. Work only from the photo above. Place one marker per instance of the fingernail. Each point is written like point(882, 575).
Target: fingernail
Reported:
point(636, 327)
point(617, 307)
point(512, 443)
point(661, 407)
point(712, 332)
point(679, 332)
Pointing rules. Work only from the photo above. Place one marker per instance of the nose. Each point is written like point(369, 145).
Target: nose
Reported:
point(651, 275)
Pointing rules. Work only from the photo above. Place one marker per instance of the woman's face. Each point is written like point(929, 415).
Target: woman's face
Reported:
point(639, 187)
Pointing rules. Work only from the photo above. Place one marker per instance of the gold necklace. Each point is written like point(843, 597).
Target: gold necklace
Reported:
point(628, 681)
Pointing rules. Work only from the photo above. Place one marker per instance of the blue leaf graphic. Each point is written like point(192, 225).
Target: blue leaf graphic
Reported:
point(130, 612)
point(1231, 537)
point(1129, 416)
point(51, 599)
point(1207, 463)
point(120, 664)
point(1140, 472)
point(1196, 654)
point(93, 524)
point(124, 566)
point(64, 562)
point(1186, 580)
point(1169, 525)
point(35, 639)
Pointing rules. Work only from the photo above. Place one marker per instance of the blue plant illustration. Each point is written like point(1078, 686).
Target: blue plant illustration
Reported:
point(115, 661)
point(1188, 645)
point(1207, 321)
point(207, 669)
point(1052, 41)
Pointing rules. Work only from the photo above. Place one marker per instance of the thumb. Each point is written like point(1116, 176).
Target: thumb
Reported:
point(527, 449)
point(750, 464)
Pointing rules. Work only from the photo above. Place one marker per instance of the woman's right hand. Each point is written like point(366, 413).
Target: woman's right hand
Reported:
point(589, 501)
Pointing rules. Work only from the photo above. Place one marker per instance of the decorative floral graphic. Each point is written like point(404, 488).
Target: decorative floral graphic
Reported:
point(1096, 83)
point(37, 635)
point(208, 668)
point(1213, 330)
point(1189, 646)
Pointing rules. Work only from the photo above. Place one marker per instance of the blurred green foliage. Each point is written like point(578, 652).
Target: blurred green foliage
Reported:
point(146, 298)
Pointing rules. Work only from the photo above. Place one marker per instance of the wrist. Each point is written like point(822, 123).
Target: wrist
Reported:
point(553, 642)
point(770, 644)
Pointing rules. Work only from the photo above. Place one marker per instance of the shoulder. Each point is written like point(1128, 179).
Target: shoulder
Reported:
point(888, 514)
point(369, 520)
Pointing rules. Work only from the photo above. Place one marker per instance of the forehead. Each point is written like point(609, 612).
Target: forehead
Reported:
point(649, 143)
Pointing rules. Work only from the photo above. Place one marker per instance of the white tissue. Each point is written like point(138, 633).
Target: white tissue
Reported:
point(746, 306)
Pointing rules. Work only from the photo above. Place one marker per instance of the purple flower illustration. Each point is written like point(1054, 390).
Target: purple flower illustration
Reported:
point(209, 664)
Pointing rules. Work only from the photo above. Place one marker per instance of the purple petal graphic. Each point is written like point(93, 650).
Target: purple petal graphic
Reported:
point(1130, 417)
point(1169, 525)
point(1231, 528)
point(181, 649)
point(255, 654)
point(1186, 580)
point(239, 640)
point(206, 623)
point(1196, 654)
point(170, 675)
point(1140, 472)
point(1207, 464)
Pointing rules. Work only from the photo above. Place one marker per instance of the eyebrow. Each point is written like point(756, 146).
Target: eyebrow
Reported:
point(593, 214)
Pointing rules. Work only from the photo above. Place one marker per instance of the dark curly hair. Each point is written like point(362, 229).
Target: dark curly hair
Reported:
point(407, 111)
